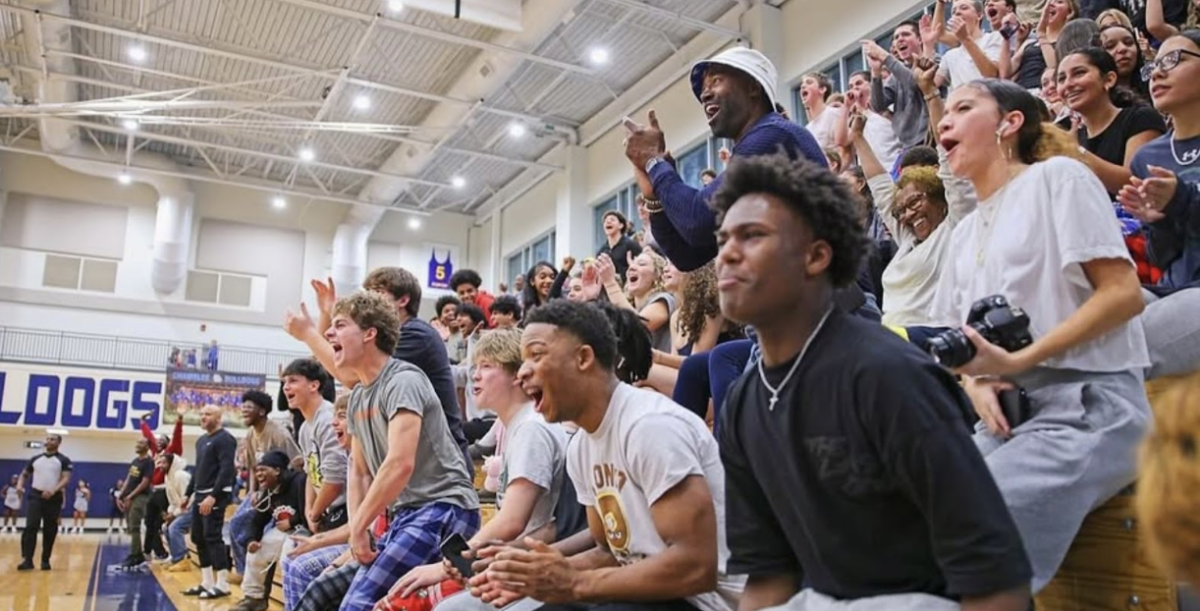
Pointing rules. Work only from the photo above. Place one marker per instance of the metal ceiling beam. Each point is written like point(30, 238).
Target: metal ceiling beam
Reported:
point(272, 63)
point(252, 153)
point(266, 187)
point(698, 24)
point(409, 28)
point(398, 139)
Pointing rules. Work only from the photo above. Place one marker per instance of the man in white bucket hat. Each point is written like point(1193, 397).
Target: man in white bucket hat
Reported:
point(736, 90)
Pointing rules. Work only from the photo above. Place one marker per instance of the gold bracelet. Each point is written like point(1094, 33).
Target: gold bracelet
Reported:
point(653, 206)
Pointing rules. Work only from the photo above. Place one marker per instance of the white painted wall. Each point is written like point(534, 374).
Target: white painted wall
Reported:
point(530, 216)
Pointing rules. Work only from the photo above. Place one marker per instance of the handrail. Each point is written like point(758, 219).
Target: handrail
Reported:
point(115, 352)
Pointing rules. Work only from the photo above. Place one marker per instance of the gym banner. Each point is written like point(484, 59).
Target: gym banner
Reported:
point(193, 389)
point(54, 396)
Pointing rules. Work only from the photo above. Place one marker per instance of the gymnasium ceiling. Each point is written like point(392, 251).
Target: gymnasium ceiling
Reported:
point(255, 85)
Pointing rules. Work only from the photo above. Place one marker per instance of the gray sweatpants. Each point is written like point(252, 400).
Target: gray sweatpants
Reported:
point(810, 600)
point(463, 601)
point(1077, 451)
point(1172, 332)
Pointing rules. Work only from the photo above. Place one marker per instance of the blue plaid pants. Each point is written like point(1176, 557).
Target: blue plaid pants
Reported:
point(412, 539)
point(300, 572)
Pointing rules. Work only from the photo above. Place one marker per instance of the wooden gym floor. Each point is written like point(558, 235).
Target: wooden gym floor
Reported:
point(80, 580)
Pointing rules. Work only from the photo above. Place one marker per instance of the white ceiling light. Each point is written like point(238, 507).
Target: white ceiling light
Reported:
point(130, 125)
point(362, 102)
point(278, 202)
point(138, 53)
point(307, 154)
point(599, 56)
point(414, 223)
point(124, 178)
point(395, 6)
point(458, 182)
point(516, 129)
point(59, 432)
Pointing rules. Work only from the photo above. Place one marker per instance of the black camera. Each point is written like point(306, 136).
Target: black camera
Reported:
point(994, 319)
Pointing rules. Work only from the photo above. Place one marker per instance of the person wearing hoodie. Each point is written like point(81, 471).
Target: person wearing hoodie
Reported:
point(279, 512)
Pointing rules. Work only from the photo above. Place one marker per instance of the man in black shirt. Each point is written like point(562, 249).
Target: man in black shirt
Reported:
point(48, 474)
point(848, 464)
point(134, 497)
point(211, 490)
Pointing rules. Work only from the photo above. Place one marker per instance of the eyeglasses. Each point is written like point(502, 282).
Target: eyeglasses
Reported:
point(909, 205)
point(1166, 63)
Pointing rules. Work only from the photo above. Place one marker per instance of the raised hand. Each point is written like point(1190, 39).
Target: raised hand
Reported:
point(925, 71)
point(643, 143)
point(568, 263)
point(299, 325)
point(606, 270)
point(930, 31)
point(876, 56)
point(959, 29)
point(326, 295)
point(441, 328)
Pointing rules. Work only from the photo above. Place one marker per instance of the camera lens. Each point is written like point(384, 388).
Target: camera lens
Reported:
point(951, 348)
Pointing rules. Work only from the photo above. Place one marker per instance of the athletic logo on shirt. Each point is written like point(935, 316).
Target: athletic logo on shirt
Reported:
point(616, 528)
point(312, 466)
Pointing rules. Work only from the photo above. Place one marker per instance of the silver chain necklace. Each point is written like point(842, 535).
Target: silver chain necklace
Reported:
point(1189, 157)
point(808, 342)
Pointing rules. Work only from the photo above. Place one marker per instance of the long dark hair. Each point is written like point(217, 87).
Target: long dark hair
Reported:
point(1136, 84)
point(1120, 95)
point(529, 294)
point(1036, 141)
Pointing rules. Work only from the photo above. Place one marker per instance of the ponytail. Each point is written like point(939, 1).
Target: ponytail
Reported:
point(1052, 142)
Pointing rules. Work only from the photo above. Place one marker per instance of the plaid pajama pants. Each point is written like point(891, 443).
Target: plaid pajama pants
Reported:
point(412, 539)
point(298, 573)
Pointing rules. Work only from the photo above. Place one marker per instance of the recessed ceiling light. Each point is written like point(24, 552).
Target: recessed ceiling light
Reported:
point(599, 56)
point(458, 182)
point(59, 432)
point(516, 129)
point(278, 202)
point(395, 6)
point(307, 154)
point(414, 223)
point(129, 125)
point(124, 178)
point(138, 53)
point(362, 102)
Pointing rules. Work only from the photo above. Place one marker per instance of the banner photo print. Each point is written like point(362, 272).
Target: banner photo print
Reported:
point(195, 389)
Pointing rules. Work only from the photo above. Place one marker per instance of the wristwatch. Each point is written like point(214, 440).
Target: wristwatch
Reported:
point(653, 162)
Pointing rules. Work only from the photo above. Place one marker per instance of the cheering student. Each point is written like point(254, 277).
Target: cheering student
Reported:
point(278, 513)
point(466, 284)
point(646, 469)
point(886, 497)
point(324, 458)
point(1043, 237)
point(404, 461)
point(48, 473)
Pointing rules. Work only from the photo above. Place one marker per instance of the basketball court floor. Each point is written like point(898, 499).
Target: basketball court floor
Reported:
point(81, 580)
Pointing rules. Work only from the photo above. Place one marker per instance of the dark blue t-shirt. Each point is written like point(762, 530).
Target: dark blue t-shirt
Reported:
point(1173, 244)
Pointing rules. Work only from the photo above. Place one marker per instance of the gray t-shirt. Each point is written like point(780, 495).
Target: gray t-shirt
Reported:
point(440, 473)
point(534, 450)
point(660, 339)
point(324, 460)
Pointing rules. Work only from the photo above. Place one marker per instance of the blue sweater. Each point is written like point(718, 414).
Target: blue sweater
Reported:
point(686, 228)
point(1173, 244)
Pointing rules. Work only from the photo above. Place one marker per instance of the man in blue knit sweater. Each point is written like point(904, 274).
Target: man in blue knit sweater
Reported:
point(736, 89)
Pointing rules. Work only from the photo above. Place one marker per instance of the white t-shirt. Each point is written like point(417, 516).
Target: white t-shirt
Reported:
point(958, 67)
point(644, 448)
point(821, 126)
point(879, 134)
point(1032, 236)
point(534, 450)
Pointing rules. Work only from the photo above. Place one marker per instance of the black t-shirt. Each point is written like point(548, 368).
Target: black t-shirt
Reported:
point(139, 469)
point(1174, 12)
point(1109, 144)
point(619, 254)
point(421, 345)
point(864, 480)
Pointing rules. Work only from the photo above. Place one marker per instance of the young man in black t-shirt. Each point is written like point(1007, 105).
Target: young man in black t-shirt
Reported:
point(134, 497)
point(848, 463)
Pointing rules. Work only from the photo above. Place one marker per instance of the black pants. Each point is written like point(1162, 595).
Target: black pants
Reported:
point(154, 522)
point(41, 514)
point(206, 533)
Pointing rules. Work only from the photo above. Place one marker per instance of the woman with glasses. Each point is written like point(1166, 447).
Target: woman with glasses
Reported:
point(1163, 195)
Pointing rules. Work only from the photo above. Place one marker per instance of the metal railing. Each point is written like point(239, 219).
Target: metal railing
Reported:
point(114, 352)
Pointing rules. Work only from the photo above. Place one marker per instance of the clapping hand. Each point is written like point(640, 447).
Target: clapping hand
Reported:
point(605, 269)
point(1147, 198)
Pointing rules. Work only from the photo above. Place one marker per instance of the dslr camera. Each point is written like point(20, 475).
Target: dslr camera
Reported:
point(994, 319)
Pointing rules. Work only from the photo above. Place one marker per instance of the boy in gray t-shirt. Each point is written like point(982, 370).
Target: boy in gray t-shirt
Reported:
point(404, 461)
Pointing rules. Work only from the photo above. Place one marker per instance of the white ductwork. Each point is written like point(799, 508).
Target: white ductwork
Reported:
point(173, 220)
point(480, 80)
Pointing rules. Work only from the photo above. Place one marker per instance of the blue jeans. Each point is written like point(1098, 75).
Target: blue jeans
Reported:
point(176, 536)
point(239, 534)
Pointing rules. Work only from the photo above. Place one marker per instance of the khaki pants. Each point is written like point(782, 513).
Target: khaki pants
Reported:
point(135, 513)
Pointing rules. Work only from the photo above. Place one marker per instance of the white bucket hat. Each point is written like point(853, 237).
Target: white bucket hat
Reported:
point(746, 60)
